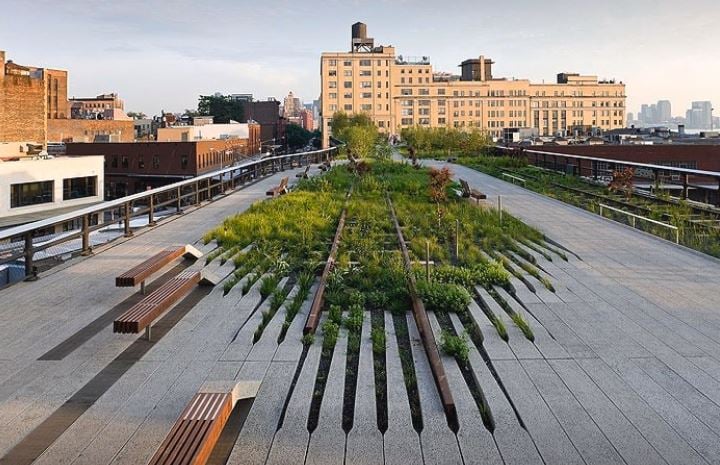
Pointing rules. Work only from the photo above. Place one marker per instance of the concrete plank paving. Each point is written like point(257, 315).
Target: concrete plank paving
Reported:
point(364, 440)
point(401, 443)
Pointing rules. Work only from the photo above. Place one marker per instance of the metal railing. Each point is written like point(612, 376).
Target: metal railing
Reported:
point(177, 195)
point(633, 217)
point(513, 178)
point(706, 183)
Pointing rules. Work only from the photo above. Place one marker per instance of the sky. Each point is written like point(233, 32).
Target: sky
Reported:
point(161, 55)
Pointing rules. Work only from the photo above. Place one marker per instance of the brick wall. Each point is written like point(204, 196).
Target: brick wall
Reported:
point(22, 109)
point(85, 130)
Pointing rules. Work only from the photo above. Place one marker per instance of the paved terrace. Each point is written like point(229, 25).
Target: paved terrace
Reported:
point(625, 367)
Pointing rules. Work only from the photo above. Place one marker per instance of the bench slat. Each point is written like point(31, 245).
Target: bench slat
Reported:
point(142, 314)
point(141, 272)
point(197, 430)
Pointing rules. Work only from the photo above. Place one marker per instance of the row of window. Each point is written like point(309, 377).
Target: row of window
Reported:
point(34, 193)
point(124, 162)
point(362, 62)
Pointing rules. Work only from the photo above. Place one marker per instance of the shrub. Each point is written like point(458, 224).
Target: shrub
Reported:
point(308, 339)
point(355, 320)
point(356, 298)
point(277, 299)
point(443, 297)
point(330, 334)
point(521, 323)
point(335, 314)
point(377, 299)
point(457, 346)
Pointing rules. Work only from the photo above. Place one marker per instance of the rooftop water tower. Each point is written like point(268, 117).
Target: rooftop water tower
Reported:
point(360, 41)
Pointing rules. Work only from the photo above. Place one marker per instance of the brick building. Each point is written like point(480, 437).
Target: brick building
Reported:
point(23, 103)
point(90, 130)
point(34, 108)
point(136, 166)
point(102, 107)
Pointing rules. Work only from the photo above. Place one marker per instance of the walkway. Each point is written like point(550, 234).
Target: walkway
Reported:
point(625, 367)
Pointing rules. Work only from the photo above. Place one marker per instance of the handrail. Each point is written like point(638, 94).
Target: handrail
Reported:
point(514, 178)
point(107, 205)
point(649, 220)
point(714, 174)
point(201, 186)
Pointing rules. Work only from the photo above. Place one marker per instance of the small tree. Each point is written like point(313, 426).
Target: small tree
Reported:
point(439, 182)
point(622, 181)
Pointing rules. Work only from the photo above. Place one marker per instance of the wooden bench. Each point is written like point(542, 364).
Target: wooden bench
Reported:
point(468, 193)
point(138, 274)
point(304, 174)
point(280, 189)
point(194, 435)
point(141, 315)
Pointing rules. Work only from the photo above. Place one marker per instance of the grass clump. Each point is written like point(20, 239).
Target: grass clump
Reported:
point(330, 331)
point(354, 321)
point(521, 323)
point(268, 285)
point(456, 346)
point(377, 335)
point(444, 297)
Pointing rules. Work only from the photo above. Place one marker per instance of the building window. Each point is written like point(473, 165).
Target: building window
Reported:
point(333, 95)
point(31, 193)
point(405, 91)
point(347, 73)
point(347, 84)
point(332, 84)
point(366, 84)
point(124, 162)
point(366, 107)
point(114, 162)
point(348, 107)
point(347, 95)
point(406, 121)
point(141, 162)
point(332, 62)
point(424, 91)
point(366, 72)
point(78, 188)
point(367, 95)
point(347, 63)
point(364, 62)
point(156, 162)
point(184, 161)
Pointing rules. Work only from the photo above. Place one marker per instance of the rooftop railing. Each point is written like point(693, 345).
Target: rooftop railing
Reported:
point(19, 241)
point(705, 183)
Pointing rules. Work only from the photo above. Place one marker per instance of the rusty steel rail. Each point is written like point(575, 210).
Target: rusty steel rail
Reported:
point(313, 318)
point(423, 324)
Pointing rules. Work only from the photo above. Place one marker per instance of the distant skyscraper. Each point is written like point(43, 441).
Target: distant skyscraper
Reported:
point(292, 106)
point(699, 116)
point(664, 111)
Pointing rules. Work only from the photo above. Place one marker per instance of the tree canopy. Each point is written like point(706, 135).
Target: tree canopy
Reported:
point(298, 137)
point(222, 107)
point(425, 139)
point(357, 131)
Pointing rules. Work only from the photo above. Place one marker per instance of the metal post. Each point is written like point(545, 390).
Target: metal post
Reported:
point(151, 211)
point(28, 253)
point(147, 333)
point(209, 190)
point(197, 193)
point(685, 186)
point(499, 207)
point(457, 239)
point(128, 232)
point(179, 201)
point(427, 260)
point(86, 236)
point(677, 236)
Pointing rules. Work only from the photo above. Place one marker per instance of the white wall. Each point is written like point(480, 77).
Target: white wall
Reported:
point(55, 169)
point(207, 131)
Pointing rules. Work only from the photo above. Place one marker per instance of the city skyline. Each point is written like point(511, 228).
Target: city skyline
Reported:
point(152, 59)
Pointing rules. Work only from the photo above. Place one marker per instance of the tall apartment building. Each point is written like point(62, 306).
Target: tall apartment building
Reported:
point(399, 92)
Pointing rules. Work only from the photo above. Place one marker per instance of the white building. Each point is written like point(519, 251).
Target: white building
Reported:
point(204, 132)
point(35, 188)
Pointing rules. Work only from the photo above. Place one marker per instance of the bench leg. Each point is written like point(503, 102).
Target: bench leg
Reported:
point(147, 333)
point(142, 288)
